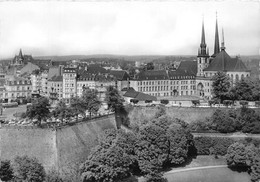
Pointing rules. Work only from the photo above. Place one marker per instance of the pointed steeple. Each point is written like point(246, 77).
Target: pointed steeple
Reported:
point(223, 41)
point(203, 45)
point(216, 45)
point(20, 54)
point(203, 41)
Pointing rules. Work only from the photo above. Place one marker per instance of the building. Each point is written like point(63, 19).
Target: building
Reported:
point(55, 88)
point(16, 89)
point(69, 86)
point(208, 66)
point(39, 81)
point(192, 78)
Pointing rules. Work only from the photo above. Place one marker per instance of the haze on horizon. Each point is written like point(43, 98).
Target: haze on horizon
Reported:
point(126, 28)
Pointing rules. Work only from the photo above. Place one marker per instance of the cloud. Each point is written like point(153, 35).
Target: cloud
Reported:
point(62, 28)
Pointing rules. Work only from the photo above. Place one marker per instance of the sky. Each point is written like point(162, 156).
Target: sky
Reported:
point(158, 27)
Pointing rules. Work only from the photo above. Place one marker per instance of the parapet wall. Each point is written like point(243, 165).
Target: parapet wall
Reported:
point(62, 148)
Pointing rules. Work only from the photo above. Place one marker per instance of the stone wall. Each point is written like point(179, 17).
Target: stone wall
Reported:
point(63, 148)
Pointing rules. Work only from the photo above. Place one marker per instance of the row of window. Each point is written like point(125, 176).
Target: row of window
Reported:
point(164, 82)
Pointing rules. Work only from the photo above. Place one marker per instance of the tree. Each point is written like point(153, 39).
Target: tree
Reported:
point(53, 176)
point(227, 102)
point(62, 111)
point(222, 122)
point(92, 103)
point(148, 101)
point(28, 169)
point(6, 171)
point(39, 109)
point(115, 103)
point(240, 155)
point(112, 160)
point(165, 101)
point(162, 141)
point(78, 106)
point(221, 86)
point(243, 90)
point(255, 169)
point(134, 101)
point(150, 66)
point(195, 102)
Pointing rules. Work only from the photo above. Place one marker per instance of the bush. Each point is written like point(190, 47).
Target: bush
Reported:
point(195, 102)
point(222, 122)
point(28, 169)
point(220, 145)
point(164, 101)
point(6, 171)
point(148, 101)
point(227, 102)
point(134, 101)
point(243, 103)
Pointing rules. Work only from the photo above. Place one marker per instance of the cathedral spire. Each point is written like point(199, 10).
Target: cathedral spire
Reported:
point(20, 53)
point(203, 41)
point(222, 41)
point(203, 45)
point(216, 46)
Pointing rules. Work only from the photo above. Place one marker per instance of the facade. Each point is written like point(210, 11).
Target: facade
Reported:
point(39, 81)
point(16, 89)
point(208, 66)
point(163, 83)
point(69, 83)
point(55, 86)
point(192, 78)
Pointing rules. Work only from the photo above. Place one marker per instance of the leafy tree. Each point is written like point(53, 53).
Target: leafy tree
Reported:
point(221, 86)
point(28, 169)
point(148, 101)
point(62, 111)
point(112, 159)
point(240, 155)
point(165, 101)
point(134, 101)
point(161, 142)
point(243, 90)
point(78, 106)
point(222, 122)
point(115, 103)
point(255, 169)
point(39, 109)
point(195, 102)
point(91, 100)
point(6, 171)
point(227, 102)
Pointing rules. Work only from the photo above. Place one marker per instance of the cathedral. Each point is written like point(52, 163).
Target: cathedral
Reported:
point(208, 66)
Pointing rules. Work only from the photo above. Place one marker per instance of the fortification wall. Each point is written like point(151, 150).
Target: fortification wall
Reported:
point(63, 148)
point(74, 143)
point(30, 141)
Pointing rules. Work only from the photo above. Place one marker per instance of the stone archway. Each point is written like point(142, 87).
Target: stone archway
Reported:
point(200, 89)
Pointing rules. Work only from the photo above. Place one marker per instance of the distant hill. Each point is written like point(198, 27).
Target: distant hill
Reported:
point(141, 58)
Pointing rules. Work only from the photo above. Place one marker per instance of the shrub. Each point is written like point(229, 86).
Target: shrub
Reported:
point(222, 122)
point(195, 102)
point(148, 101)
point(28, 169)
point(243, 103)
point(53, 176)
point(227, 102)
point(220, 145)
point(6, 171)
point(164, 101)
point(134, 101)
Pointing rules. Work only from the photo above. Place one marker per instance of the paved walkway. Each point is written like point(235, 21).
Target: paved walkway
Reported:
point(194, 168)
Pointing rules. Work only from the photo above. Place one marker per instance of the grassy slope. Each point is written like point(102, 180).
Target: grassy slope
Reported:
point(187, 114)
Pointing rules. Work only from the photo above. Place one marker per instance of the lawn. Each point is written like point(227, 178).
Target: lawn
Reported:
point(8, 113)
point(223, 174)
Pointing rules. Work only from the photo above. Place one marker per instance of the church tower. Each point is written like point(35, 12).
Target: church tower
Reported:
point(216, 45)
point(203, 54)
